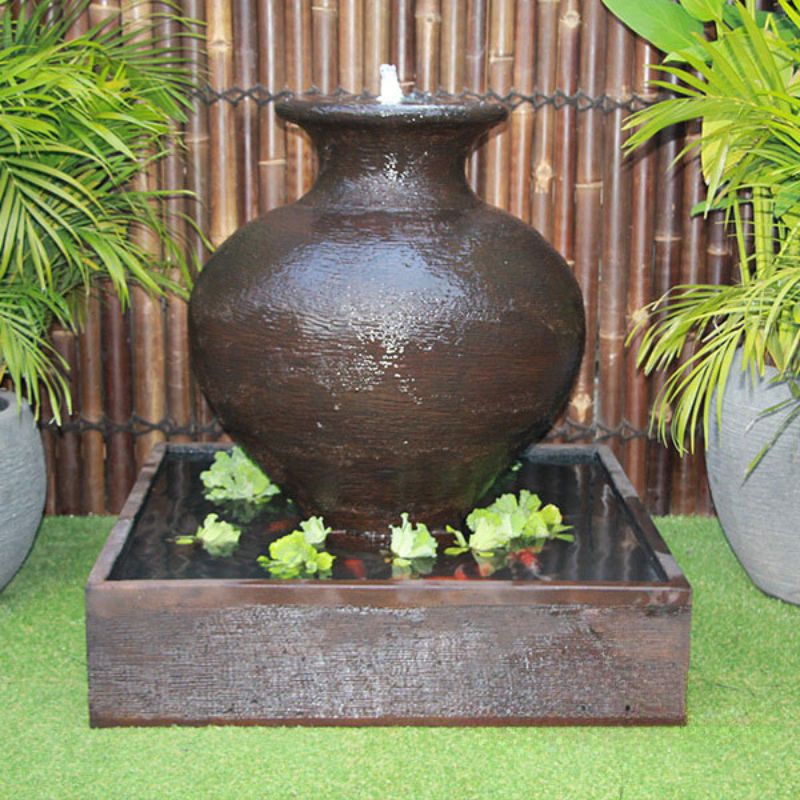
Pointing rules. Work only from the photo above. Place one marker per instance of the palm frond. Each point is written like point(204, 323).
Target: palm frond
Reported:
point(79, 120)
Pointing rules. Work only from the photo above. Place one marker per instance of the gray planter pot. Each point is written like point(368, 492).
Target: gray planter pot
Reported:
point(22, 485)
point(760, 514)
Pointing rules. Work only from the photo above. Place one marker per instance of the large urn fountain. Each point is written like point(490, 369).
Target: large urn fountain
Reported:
point(389, 342)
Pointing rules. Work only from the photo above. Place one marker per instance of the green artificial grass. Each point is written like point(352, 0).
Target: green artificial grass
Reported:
point(742, 740)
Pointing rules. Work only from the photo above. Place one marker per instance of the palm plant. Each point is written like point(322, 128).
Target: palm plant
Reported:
point(79, 120)
point(742, 83)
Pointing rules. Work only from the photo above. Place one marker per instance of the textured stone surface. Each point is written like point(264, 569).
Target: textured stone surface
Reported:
point(760, 514)
point(389, 342)
point(22, 485)
point(429, 665)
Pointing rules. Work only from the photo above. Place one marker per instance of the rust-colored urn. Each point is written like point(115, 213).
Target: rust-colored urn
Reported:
point(389, 342)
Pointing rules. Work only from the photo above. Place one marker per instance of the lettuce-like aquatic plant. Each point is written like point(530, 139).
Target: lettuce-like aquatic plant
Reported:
point(234, 477)
point(299, 554)
point(218, 538)
point(410, 542)
point(510, 519)
point(292, 556)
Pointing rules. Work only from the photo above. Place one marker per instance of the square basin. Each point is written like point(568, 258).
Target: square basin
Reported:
point(592, 631)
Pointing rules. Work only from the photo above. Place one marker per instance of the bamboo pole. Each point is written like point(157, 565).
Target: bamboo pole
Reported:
point(325, 39)
point(403, 46)
point(116, 355)
point(68, 444)
point(351, 51)
point(667, 255)
point(245, 75)
point(224, 178)
point(149, 357)
point(718, 252)
point(452, 43)
point(704, 503)
point(588, 201)
point(565, 145)
point(48, 432)
point(89, 401)
point(685, 475)
point(178, 380)
point(719, 267)
point(298, 77)
point(224, 210)
point(522, 115)
point(640, 281)
point(500, 72)
point(80, 25)
point(376, 42)
point(613, 287)
point(90, 350)
point(475, 73)
point(565, 142)
point(120, 463)
point(103, 11)
point(544, 124)
point(272, 75)
point(196, 136)
point(197, 142)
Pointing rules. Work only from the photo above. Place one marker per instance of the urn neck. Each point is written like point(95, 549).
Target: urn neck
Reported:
point(403, 157)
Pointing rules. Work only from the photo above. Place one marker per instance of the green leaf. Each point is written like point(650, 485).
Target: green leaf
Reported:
point(664, 23)
point(490, 530)
point(704, 10)
point(219, 538)
point(324, 562)
point(411, 541)
point(234, 476)
point(314, 530)
point(461, 545)
point(292, 556)
point(292, 549)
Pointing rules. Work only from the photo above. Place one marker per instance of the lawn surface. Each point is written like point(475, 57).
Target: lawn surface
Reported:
point(742, 740)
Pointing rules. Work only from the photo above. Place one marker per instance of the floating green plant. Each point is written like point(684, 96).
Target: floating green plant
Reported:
point(511, 519)
point(299, 553)
point(218, 538)
point(234, 477)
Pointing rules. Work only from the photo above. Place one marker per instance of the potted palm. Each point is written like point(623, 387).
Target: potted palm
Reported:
point(733, 352)
point(79, 120)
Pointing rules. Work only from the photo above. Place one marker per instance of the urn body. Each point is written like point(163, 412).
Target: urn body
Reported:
point(389, 342)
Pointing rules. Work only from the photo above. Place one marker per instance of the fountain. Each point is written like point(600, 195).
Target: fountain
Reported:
point(388, 344)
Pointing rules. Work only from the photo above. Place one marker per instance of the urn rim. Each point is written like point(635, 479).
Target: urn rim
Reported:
point(415, 108)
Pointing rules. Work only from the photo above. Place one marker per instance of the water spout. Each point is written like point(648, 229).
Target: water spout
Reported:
point(391, 92)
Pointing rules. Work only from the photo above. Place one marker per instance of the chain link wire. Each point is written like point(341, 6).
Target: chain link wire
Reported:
point(513, 99)
point(568, 430)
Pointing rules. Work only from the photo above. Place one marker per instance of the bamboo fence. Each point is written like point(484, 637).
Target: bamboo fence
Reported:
point(570, 73)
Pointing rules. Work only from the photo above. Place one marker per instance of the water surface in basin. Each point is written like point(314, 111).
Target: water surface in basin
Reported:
point(607, 545)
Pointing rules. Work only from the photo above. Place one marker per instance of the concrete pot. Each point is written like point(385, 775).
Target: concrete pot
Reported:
point(760, 514)
point(23, 485)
